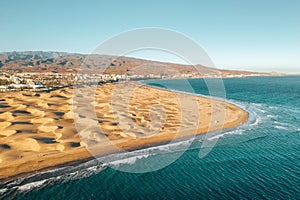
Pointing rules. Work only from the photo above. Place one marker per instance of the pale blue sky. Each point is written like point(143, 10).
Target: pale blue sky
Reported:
point(261, 35)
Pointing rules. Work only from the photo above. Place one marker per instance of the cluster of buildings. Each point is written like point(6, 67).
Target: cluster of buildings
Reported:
point(13, 81)
point(44, 81)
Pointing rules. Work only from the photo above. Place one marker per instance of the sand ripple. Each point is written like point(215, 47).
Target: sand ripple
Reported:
point(38, 131)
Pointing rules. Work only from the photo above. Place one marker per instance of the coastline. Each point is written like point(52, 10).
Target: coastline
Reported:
point(83, 156)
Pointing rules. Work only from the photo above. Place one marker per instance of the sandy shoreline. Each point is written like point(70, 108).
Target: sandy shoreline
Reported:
point(37, 130)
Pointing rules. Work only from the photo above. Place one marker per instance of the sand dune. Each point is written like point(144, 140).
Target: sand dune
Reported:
point(37, 130)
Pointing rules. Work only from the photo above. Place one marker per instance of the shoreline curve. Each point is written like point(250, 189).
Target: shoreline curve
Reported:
point(84, 157)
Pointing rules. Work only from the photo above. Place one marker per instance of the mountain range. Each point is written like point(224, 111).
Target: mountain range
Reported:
point(62, 62)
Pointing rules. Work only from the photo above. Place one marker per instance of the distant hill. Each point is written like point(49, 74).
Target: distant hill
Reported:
point(61, 62)
point(7, 57)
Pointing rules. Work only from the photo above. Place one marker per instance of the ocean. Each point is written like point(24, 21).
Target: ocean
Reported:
point(259, 160)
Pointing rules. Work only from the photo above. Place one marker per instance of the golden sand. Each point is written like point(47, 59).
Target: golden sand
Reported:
point(37, 130)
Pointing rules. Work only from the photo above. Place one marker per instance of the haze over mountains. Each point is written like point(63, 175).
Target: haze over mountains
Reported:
point(62, 62)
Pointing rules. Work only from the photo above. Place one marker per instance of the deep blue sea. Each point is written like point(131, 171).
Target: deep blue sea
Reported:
point(260, 160)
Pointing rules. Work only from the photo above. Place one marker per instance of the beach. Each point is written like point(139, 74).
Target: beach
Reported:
point(38, 132)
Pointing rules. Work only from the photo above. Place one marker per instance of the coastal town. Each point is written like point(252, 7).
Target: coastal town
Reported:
point(44, 81)
point(36, 81)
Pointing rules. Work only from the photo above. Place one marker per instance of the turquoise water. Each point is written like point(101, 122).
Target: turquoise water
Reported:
point(260, 160)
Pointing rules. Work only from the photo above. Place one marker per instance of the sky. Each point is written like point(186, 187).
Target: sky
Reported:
point(257, 35)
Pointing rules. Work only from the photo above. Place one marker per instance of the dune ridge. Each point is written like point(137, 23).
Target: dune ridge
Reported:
point(37, 129)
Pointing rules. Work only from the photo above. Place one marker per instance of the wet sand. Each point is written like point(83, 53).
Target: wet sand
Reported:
point(37, 129)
